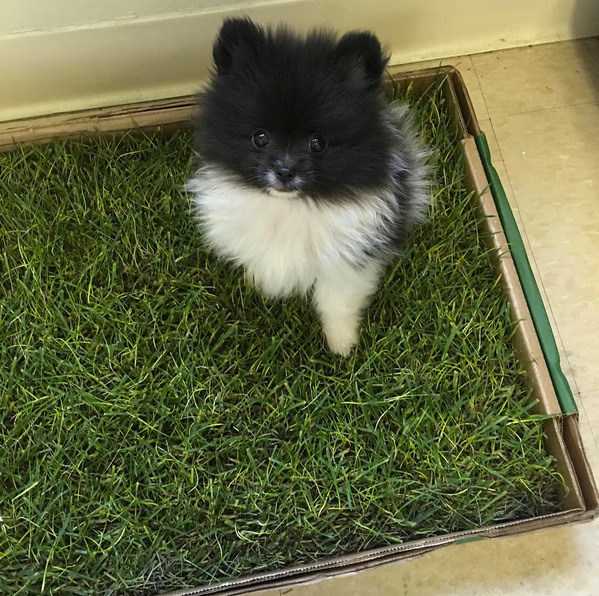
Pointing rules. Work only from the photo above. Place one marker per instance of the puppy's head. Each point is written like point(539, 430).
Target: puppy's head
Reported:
point(288, 113)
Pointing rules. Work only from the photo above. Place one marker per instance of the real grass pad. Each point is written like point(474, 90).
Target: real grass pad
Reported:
point(162, 425)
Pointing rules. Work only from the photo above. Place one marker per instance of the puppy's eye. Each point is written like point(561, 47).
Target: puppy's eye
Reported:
point(260, 139)
point(318, 144)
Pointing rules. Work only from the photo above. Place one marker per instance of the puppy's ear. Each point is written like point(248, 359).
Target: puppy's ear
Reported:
point(236, 35)
point(362, 53)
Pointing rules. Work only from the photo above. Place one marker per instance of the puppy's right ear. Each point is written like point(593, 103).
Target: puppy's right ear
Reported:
point(235, 36)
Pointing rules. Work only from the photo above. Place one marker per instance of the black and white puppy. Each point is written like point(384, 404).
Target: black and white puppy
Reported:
point(309, 178)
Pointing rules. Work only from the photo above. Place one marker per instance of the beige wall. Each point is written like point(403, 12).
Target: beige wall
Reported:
point(62, 55)
point(37, 15)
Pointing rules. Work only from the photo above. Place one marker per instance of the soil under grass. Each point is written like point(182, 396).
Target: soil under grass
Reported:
point(162, 425)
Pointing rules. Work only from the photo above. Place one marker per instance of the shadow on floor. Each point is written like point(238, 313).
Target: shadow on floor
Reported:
point(585, 24)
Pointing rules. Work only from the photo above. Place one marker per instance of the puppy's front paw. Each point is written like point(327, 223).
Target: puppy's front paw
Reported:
point(341, 337)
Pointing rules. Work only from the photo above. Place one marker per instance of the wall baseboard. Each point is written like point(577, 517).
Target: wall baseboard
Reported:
point(122, 62)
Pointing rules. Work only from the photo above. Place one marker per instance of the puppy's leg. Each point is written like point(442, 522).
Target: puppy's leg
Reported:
point(340, 296)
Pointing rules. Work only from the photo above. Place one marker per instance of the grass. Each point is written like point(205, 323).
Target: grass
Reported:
point(162, 425)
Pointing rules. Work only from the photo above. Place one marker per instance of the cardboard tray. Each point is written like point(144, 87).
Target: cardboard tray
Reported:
point(535, 344)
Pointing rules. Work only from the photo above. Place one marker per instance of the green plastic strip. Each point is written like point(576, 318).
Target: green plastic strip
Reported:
point(527, 279)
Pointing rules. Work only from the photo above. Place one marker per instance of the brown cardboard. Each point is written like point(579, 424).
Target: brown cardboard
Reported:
point(527, 344)
point(573, 440)
point(579, 503)
point(169, 114)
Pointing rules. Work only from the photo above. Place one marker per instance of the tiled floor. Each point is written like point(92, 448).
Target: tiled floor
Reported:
point(540, 109)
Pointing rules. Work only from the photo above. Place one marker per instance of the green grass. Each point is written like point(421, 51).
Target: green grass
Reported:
point(162, 425)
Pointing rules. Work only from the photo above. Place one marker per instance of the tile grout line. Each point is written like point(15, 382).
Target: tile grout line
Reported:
point(501, 155)
point(594, 434)
point(480, 87)
point(555, 108)
point(587, 391)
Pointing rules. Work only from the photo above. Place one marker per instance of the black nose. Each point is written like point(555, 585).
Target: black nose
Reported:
point(285, 174)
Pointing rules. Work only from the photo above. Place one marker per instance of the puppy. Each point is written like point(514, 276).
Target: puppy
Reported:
point(308, 177)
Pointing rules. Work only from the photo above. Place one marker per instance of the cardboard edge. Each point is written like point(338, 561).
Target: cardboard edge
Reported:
point(572, 463)
point(528, 347)
point(178, 113)
point(543, 330)
point(574, 444)
point(459, 92)
point(572, 497)
point(444, 76)
point(169, 115)
point(350, 564)
point(563, 440)
point(466, 105)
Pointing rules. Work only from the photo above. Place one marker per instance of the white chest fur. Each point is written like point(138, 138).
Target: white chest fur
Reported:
point(284, 243)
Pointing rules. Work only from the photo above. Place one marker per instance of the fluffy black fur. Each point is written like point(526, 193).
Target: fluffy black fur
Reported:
point(295, 88)
point(309, 178)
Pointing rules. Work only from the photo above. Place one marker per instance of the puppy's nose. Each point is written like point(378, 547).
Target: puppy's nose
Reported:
point(285, 173)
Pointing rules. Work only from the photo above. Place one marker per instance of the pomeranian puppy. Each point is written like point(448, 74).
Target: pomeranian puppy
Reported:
point(309, 178)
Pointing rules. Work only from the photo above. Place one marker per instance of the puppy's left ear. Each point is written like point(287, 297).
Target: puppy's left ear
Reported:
point(362, 52)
